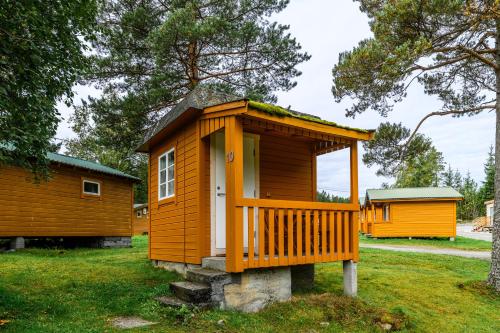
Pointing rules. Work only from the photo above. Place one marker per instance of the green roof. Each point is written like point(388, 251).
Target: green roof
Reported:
point(413, 193)
point(76, 162)
point(279, 111)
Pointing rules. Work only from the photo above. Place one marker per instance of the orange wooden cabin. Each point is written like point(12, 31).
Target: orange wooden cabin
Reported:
point(410, 212)
point(236, 178)
point(140, 220)
point(81, 199)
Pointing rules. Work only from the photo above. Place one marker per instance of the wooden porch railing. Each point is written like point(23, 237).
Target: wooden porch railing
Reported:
point(273, 233)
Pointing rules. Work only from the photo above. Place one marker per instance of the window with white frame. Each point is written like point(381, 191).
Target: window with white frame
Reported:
point(166, 172)
point(385, 213)
point(91, 187)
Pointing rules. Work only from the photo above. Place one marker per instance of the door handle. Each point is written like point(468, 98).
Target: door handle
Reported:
point(221, 194)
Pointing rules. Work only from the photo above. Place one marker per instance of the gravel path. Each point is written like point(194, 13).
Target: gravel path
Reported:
point(465, 230)
point(483, 255)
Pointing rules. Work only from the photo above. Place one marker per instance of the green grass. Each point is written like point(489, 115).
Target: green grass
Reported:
point(82, 290)
point(460, 243)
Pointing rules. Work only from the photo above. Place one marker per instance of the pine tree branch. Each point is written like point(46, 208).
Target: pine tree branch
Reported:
point(446, 113)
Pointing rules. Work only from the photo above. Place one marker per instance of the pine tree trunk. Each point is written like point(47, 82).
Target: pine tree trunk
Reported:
point(494, 277)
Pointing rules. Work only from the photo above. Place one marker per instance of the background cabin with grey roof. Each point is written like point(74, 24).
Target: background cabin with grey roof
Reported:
point(410, 212)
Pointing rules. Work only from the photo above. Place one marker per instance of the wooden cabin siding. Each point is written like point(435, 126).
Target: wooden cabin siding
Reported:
point(418, 219)
point(286, 169)
point(140, 225)
point(57, 208)
point(175, 228)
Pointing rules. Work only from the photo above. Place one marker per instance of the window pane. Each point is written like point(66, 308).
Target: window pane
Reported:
point(91, 187)
point(170, 188)
point(163, 191)
point(170, 173)
point(163, 162)
point(171, 158)
point(163, 177)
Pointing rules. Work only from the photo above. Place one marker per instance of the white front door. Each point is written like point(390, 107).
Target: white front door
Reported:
point(218, 184)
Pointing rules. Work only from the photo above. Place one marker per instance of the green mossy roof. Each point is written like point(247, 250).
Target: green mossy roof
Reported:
point(275, 110)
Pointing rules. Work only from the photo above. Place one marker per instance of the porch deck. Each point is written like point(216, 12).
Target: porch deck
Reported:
point(292, 233)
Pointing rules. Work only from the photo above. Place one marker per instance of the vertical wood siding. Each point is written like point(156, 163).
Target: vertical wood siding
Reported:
point(56, 208)
point(175, 227)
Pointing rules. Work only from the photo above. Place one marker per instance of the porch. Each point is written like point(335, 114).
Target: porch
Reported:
point(265, 232)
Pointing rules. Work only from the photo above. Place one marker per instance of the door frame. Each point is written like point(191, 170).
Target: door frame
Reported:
point(213, 250)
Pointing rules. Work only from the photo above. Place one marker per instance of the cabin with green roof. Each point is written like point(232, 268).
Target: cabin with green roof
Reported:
point(82, 201)
point(410, 212)
point(233, 181)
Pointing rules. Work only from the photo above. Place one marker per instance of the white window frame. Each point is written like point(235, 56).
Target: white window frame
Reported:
point(98, 194)
point(386, 215)
point(167, 180)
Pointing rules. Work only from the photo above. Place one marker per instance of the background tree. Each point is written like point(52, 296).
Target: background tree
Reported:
point(423, 170)
point(41, 55)
point(324, 196)
point(450, 47)
point(487, 191)
point(152, 53)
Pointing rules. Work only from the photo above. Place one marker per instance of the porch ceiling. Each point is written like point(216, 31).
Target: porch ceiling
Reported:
point(322, 143)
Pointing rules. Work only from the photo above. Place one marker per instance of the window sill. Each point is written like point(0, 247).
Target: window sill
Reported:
point(166, 201)
point(91, 196)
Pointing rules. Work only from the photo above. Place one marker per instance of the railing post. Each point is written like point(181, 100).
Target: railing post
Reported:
point(354, 200)
point(234, 192)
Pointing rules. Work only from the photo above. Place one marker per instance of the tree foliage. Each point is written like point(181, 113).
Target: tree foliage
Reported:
point(450, 47)
point(42, 47)
point(488, 185)
point(150, 54)
point(324, 196)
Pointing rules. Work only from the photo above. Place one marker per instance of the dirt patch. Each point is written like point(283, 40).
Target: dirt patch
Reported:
point(131, 322)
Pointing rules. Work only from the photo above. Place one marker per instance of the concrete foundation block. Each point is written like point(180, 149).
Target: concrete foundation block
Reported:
point(302, 277)
point(257, 288)
point(17, 243)
point(452, 239)
point(178, 267)
point(350, 278)
point(111, 242)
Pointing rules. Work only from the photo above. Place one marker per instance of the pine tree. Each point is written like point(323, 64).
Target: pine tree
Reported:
point(150, 54)
point(488, 185)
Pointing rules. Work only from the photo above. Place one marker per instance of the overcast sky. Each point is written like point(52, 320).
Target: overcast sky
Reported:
point(325, 28)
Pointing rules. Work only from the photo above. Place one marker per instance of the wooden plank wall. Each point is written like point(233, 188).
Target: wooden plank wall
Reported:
point(140, 225)
point(418, 219)
point(56, 208)
point(286, 169)
point(175, 229)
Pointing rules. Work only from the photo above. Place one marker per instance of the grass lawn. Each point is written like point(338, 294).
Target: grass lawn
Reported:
point(460, 243)
point(82, 290)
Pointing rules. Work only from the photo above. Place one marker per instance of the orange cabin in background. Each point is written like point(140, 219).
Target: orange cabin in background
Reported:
point(140, 220)
point(81, 199)
point(410, 212)
point(236, 178)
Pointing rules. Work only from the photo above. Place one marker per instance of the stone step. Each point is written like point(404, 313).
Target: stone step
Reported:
point(208, 276)
point(192, 292)
point(175, 302)
point(214, 263)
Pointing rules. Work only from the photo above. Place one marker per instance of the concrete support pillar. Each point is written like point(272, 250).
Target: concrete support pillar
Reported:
point(452, 239)
point(17, 243)
point(350, 278)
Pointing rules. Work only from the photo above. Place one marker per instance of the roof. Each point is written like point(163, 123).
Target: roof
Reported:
point(76, 162)
point(413, 193)
point(138, 206)
point(205, 96)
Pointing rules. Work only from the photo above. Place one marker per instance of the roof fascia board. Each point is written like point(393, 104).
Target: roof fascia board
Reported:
point(316, 127)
